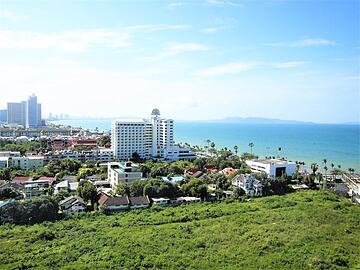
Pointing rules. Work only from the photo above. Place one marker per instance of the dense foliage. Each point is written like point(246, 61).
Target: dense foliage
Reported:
point(30, 211)
point(305, 230)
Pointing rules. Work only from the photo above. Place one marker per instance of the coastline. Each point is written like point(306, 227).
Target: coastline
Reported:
point(338, 143)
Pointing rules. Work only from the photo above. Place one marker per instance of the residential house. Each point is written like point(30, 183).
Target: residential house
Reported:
point(249, 184)
point(139, 202)
point(160, 201)
point(113, 204)
point(66, 185)
point(20, 180)
point(72, 204)
point(187, 200)
point(37, 188)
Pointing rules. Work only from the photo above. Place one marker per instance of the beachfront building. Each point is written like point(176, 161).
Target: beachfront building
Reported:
point(123, 173)
point(272, 167)
point(150, 138)
point(352, 181)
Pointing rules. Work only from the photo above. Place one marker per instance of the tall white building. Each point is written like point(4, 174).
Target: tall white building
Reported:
point(26, 113)
point(150, 138)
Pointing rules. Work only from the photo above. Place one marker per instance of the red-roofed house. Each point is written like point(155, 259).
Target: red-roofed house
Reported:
point(113, 204)
point(20, 180)
point(228, 171)
point(50, 179)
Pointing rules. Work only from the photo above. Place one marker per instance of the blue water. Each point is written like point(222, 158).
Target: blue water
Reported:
point(339, 144)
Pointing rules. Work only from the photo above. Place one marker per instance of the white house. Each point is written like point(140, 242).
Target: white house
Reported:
point(160, 201)
point(272, 167)
point(249, 184)
point(72, 204)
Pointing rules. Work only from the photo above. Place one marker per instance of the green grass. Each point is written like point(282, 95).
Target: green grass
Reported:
point(305, 230)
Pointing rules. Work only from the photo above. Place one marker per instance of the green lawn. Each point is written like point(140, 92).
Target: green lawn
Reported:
point(305, 230)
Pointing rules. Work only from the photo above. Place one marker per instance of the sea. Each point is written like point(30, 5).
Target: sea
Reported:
point(337, 143)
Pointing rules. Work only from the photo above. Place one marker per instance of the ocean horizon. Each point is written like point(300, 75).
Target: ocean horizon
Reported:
point(338, 143)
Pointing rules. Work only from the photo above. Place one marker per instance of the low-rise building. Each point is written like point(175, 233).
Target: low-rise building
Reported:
point(113, 204)
point(72, 204)
point(36, 188)
point(139, 202)
point(20, 180)
point(123, 173)
point(66, 186)
point(160, 201)
point(187, 200)
point(272, 167)
point(352, 181)
point(249, 184)
point(26, 163)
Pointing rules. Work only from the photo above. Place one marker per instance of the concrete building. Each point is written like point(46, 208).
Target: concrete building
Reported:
point(26, 113)
point(150, 138)
point(16, 113)
point(123, 173)
point(36, 188)
point(26, 163)
point(3, 116)
point(272, 167)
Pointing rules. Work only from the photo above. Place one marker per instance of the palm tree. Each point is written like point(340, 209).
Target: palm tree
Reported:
point(208, 141)
point(251, 145)
point(236, 149)
point(325, 161)
point(314, 167)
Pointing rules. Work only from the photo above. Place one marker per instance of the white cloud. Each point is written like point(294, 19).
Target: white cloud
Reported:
point(290, 64)
point(175, 5)
point(149, 28)
point(73, 41)
point(179, 48)
point(222, 3)
point(78, 40)
point(231, 68)
point(238, 67)
point(9, 15)
point(211, 29)
point(310, 42)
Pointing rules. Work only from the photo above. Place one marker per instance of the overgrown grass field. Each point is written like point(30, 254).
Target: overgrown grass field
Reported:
point(305, 230)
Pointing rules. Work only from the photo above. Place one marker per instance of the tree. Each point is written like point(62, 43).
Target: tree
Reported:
point(135, 157)
point(236, 149)
point(8, 193)
point(251, 145)
point(195, 187)
point(88, 192)
point(122, 190)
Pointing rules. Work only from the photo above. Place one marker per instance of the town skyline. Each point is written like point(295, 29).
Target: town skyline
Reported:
point(200, 60)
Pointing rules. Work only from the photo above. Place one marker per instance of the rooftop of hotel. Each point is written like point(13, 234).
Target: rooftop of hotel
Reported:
point(272, 161)
point(130, 120)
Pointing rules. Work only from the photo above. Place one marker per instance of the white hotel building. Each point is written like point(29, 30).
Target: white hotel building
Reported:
point(150, 138)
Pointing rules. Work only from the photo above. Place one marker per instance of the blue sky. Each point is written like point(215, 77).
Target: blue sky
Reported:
point(201, 59)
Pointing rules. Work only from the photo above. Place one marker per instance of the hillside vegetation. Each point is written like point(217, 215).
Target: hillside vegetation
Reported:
point(305, 230)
